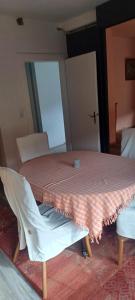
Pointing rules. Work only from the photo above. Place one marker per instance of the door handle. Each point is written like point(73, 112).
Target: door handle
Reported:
point(93, 116)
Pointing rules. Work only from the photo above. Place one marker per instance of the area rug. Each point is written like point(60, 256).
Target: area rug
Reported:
point(70, 276)
point(122, 285)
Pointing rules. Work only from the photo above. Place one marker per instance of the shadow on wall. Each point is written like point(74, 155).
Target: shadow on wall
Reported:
point(2, 163)
point(2, 154)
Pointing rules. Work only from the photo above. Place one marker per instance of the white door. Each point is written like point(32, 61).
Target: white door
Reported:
point(83, 101)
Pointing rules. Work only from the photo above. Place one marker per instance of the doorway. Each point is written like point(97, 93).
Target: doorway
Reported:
point(120, 42)
point(46, 102)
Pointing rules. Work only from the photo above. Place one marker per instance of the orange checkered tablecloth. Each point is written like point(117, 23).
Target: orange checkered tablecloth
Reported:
point(92, 194)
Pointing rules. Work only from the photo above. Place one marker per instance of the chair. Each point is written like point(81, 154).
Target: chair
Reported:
point(32, 146)
point(128, 143)
point(45, 232)
point(125, 221)
point(125, 227)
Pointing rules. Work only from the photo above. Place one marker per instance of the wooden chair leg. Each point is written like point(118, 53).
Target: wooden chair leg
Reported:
point(88, 247)
point(121, 241)
point(16, 253)
point(44, 282)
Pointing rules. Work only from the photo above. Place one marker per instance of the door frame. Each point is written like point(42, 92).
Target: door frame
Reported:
point(88, 39)
point(34, 99)
point(33, 93)
point(109, 14)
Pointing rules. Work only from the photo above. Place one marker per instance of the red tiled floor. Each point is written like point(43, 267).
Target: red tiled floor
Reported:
point(70, 276)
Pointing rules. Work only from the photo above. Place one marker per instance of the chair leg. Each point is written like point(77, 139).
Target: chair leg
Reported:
point(44, 282)
point(88, 247)
point(16, 253)
point(121, 241)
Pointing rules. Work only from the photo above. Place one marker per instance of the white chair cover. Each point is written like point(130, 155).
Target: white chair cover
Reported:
point(128, 143)
point(45, 235)
point(32, 146)
point(126, 221)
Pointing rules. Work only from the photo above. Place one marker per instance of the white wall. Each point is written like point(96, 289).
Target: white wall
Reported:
point(36, 40)
point(79, 21)
point(50, 102)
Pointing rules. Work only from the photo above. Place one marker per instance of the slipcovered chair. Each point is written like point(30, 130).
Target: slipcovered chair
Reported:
point(125, 227)
point(32, 146)
point(45, 232)
point(126, 219)
point(128, 143)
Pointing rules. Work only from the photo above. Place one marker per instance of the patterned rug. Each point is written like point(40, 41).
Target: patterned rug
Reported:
point(122, 285)
point(70, 276)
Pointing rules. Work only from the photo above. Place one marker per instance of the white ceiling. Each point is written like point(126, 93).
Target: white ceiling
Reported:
point(53, 10)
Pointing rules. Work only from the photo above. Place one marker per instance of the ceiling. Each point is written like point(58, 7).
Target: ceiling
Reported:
point(51, 10)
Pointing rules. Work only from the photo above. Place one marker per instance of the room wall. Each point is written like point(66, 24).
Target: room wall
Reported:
point(36, 40)
point(120, 90)
point(50, 101)
point(79, 21)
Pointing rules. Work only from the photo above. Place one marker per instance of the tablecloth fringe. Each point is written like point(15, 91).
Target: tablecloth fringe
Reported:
point(107, 221)
point(113, 218)
point(66, 214)
point(59, 210)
